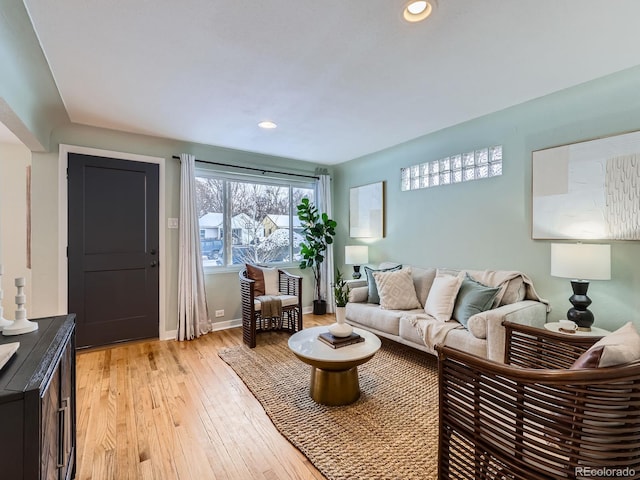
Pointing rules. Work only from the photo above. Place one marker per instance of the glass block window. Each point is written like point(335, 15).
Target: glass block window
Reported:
point(458, 168)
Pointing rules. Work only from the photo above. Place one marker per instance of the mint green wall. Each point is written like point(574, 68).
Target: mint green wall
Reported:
point(487, 223)
point(26, 84)
point(222, 288)
point(482, 224)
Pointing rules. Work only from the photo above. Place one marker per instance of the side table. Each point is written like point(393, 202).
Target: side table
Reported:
point(595, 331)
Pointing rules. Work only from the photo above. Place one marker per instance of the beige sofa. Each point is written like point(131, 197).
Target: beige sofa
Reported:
point(483, 335)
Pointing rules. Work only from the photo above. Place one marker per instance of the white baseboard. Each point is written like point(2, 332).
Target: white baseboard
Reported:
point(237, 322)
point(169, 335)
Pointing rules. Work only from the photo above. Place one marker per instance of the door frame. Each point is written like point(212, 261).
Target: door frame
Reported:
point(63, 225)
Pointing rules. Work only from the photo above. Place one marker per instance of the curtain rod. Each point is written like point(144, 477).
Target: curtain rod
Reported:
point(251, 168)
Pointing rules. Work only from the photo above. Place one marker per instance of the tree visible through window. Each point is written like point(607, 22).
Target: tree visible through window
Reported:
point(260, 217)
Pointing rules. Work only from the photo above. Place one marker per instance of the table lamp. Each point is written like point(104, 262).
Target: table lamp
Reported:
point(581, 262)
point(356, 255)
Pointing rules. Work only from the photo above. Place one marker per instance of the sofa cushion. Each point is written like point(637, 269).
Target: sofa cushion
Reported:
point(374, 296)
point(514, 291)
point(621, 346)
point(372, 316)
point(266, 279)
point(422, 281)
point(473, 297)
point(286, 300)
point(442, 296)
point(396, 290)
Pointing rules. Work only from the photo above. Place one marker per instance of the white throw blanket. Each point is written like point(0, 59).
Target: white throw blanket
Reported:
point(434, 332)
point(431, 330)
point(502, 278)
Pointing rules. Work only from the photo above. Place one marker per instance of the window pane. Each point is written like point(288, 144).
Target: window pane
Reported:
point(210, 205)
point(259, 213)
point(299, 194)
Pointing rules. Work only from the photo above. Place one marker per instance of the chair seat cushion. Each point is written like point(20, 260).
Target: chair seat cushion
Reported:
point(287, 300)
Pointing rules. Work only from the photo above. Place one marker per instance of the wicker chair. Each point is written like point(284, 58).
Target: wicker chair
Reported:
point(532, 418)
point(290, 287)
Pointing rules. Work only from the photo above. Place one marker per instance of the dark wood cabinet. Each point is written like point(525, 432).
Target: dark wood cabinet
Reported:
point(38, 404)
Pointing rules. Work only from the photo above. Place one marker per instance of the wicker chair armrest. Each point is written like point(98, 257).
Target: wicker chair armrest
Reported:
point(242, 274)
point(531, 347)
point(290, 284)
point(290, 276)
point(247, 287)
point(544, 376)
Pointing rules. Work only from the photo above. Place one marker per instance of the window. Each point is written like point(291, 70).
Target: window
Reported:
point(248, 220)
point(462, 167)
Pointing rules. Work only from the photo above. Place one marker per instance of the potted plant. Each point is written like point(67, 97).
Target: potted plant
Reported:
point(318, 231)
point(340, 290)
point(341, 295)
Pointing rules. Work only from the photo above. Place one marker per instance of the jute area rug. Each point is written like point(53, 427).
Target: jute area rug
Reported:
point(391, 432)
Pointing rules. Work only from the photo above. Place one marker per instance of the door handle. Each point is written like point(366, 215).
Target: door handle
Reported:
point(154, 263)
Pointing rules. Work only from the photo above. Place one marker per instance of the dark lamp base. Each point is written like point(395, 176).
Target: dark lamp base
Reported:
point(579, 314)
point(356, 272)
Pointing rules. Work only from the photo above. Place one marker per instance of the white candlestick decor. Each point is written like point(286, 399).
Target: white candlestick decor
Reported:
point(3, 321)
point(21, 325)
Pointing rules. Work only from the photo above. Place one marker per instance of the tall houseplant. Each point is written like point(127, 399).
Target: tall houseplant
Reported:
point(318, 230)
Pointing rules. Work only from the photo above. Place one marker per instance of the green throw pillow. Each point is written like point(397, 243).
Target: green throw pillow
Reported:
point(473, 297)
point(374, 296)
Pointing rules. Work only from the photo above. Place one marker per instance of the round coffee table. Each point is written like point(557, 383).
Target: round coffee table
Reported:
point(334, 371)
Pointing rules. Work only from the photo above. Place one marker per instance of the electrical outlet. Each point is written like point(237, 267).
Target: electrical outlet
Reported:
point(219, 313)
point(172, 223)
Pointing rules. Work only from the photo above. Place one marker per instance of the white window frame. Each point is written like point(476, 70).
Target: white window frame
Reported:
point(289, 182)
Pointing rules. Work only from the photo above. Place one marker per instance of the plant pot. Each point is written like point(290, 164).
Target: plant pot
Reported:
point(340, 328)
point(319, 307)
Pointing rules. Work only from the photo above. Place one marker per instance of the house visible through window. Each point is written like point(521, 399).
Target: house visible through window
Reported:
point(259, 216)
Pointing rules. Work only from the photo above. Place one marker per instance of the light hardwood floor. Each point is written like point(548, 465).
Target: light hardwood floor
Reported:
point(174, 410)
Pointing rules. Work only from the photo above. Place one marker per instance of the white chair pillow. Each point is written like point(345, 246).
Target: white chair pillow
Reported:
point(442, 296)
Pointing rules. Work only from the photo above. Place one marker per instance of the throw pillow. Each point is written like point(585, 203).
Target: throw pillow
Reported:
point(442, 296)
point(621, 346)
point(396, 290)
point(266, 279)
point(374, 296)
point(473, 297)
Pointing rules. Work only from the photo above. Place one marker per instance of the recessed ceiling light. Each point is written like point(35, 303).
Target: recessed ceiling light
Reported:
point(416, 11)
point(267, 125)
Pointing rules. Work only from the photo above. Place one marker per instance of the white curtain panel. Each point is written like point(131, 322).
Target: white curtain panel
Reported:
point(193, 314)
point(327, 267)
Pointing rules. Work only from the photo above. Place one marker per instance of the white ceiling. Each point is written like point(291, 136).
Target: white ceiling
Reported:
point(342, 78)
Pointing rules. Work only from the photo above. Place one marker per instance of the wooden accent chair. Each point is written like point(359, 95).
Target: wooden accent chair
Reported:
point(532, 417)
point(290, 287)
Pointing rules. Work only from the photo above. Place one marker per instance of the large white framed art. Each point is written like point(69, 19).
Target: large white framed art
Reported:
point(366, 211)
point(588, 190)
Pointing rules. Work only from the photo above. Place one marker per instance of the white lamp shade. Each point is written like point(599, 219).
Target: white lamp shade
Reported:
point(356, 254)
point(581, 261)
